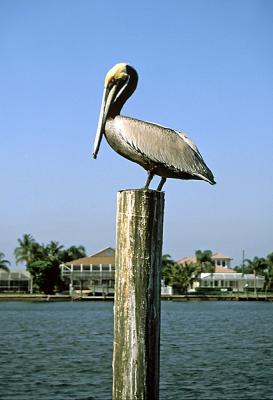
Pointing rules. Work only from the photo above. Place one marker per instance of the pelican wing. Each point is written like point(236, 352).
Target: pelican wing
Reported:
point(164, 146)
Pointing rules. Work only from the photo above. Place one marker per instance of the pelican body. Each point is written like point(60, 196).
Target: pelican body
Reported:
point(159, 150)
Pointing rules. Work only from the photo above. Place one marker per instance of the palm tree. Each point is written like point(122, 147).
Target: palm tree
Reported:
point(53, 251)
point(256, 266)
point(3, 262)
point(25, 252)
point(182, 276)
point(73, 252)
point(167, 265)
point(204, 262)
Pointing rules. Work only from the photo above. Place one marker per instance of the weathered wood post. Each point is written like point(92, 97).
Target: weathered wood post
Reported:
point(137, 295)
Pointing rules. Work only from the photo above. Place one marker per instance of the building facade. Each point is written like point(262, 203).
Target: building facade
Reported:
point(15, 282)
point(224, 278)
point(219, 260)
point(233, 281)
point(94, 274)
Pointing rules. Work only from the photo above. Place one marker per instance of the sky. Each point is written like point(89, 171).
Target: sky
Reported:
point(205, 67)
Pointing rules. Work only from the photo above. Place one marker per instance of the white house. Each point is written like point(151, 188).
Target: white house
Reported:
point(95, 274)
point(224, 277)
point(235, 281)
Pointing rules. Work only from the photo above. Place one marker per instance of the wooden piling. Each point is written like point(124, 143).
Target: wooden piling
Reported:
point(137, 295)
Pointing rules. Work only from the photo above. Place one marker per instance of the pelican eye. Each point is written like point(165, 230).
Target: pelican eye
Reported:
point(111, 81)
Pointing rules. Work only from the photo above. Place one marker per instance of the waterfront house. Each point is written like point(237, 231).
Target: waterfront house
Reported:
point(219, 260)
point(94, 274)
point(224, 278)
point(15, 281)
point(231, 280)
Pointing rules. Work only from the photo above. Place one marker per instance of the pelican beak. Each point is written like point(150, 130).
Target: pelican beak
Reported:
point(108, 98)
point(101, 124)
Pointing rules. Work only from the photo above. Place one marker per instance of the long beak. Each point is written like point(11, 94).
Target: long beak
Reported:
point(108, 98)
point(101, 123)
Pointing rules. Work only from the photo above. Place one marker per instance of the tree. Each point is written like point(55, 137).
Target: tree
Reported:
point(45, 275)
point(204, 262)
point(27, 249)
point(183, 276)
point(167, 265)
point(179, 276)
point(73, 252)
point(54, 252)
point(43, 261)
point(269, 272)
point(256, 266)
point(3, 262)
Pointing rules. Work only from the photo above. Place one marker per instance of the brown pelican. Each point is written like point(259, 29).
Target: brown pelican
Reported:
point(160, 150)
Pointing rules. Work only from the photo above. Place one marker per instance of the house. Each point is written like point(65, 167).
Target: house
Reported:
point(93, 274)
point(224, 278)
point(233, 281)
point(219, 260)
point(15, 281)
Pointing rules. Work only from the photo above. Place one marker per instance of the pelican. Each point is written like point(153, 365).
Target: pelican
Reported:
point(159, 150)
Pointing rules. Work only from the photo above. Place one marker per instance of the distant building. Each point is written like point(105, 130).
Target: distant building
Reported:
point(94, 274)
point(219, 259)
point(224, 277)
point(15, 281)
point(234, 281)
point(166, 289)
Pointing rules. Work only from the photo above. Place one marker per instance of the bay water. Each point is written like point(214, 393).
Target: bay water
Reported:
point(63, 350)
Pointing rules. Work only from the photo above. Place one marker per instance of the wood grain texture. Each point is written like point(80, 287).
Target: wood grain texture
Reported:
point(137, 295)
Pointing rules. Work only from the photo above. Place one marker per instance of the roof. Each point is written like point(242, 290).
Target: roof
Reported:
point(188, 260)
point(219, 268)
point(235, 276)
point(105, 256)
point(15, 275)
point(221, 256)
point(192, 259)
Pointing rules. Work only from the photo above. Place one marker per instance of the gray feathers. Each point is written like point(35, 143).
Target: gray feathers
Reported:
point(168, 152)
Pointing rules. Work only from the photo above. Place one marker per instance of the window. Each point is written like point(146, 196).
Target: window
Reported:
point(86, 267)
point(105, 267)
point(76, 267)
point(95, 268)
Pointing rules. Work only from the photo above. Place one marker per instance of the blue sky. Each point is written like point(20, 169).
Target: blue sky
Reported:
point(204, 67)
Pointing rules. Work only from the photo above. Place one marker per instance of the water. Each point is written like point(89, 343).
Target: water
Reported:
point(209, 350)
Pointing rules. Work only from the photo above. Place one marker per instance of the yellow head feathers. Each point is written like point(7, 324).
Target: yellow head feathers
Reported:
point(115, 73)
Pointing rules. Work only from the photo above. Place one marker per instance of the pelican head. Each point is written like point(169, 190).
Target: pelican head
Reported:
point(120, 83)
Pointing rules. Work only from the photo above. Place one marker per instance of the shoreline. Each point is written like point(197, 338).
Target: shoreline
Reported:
point(184, 298)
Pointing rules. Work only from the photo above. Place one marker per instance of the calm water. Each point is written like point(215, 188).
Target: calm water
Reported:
point(209, 350)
